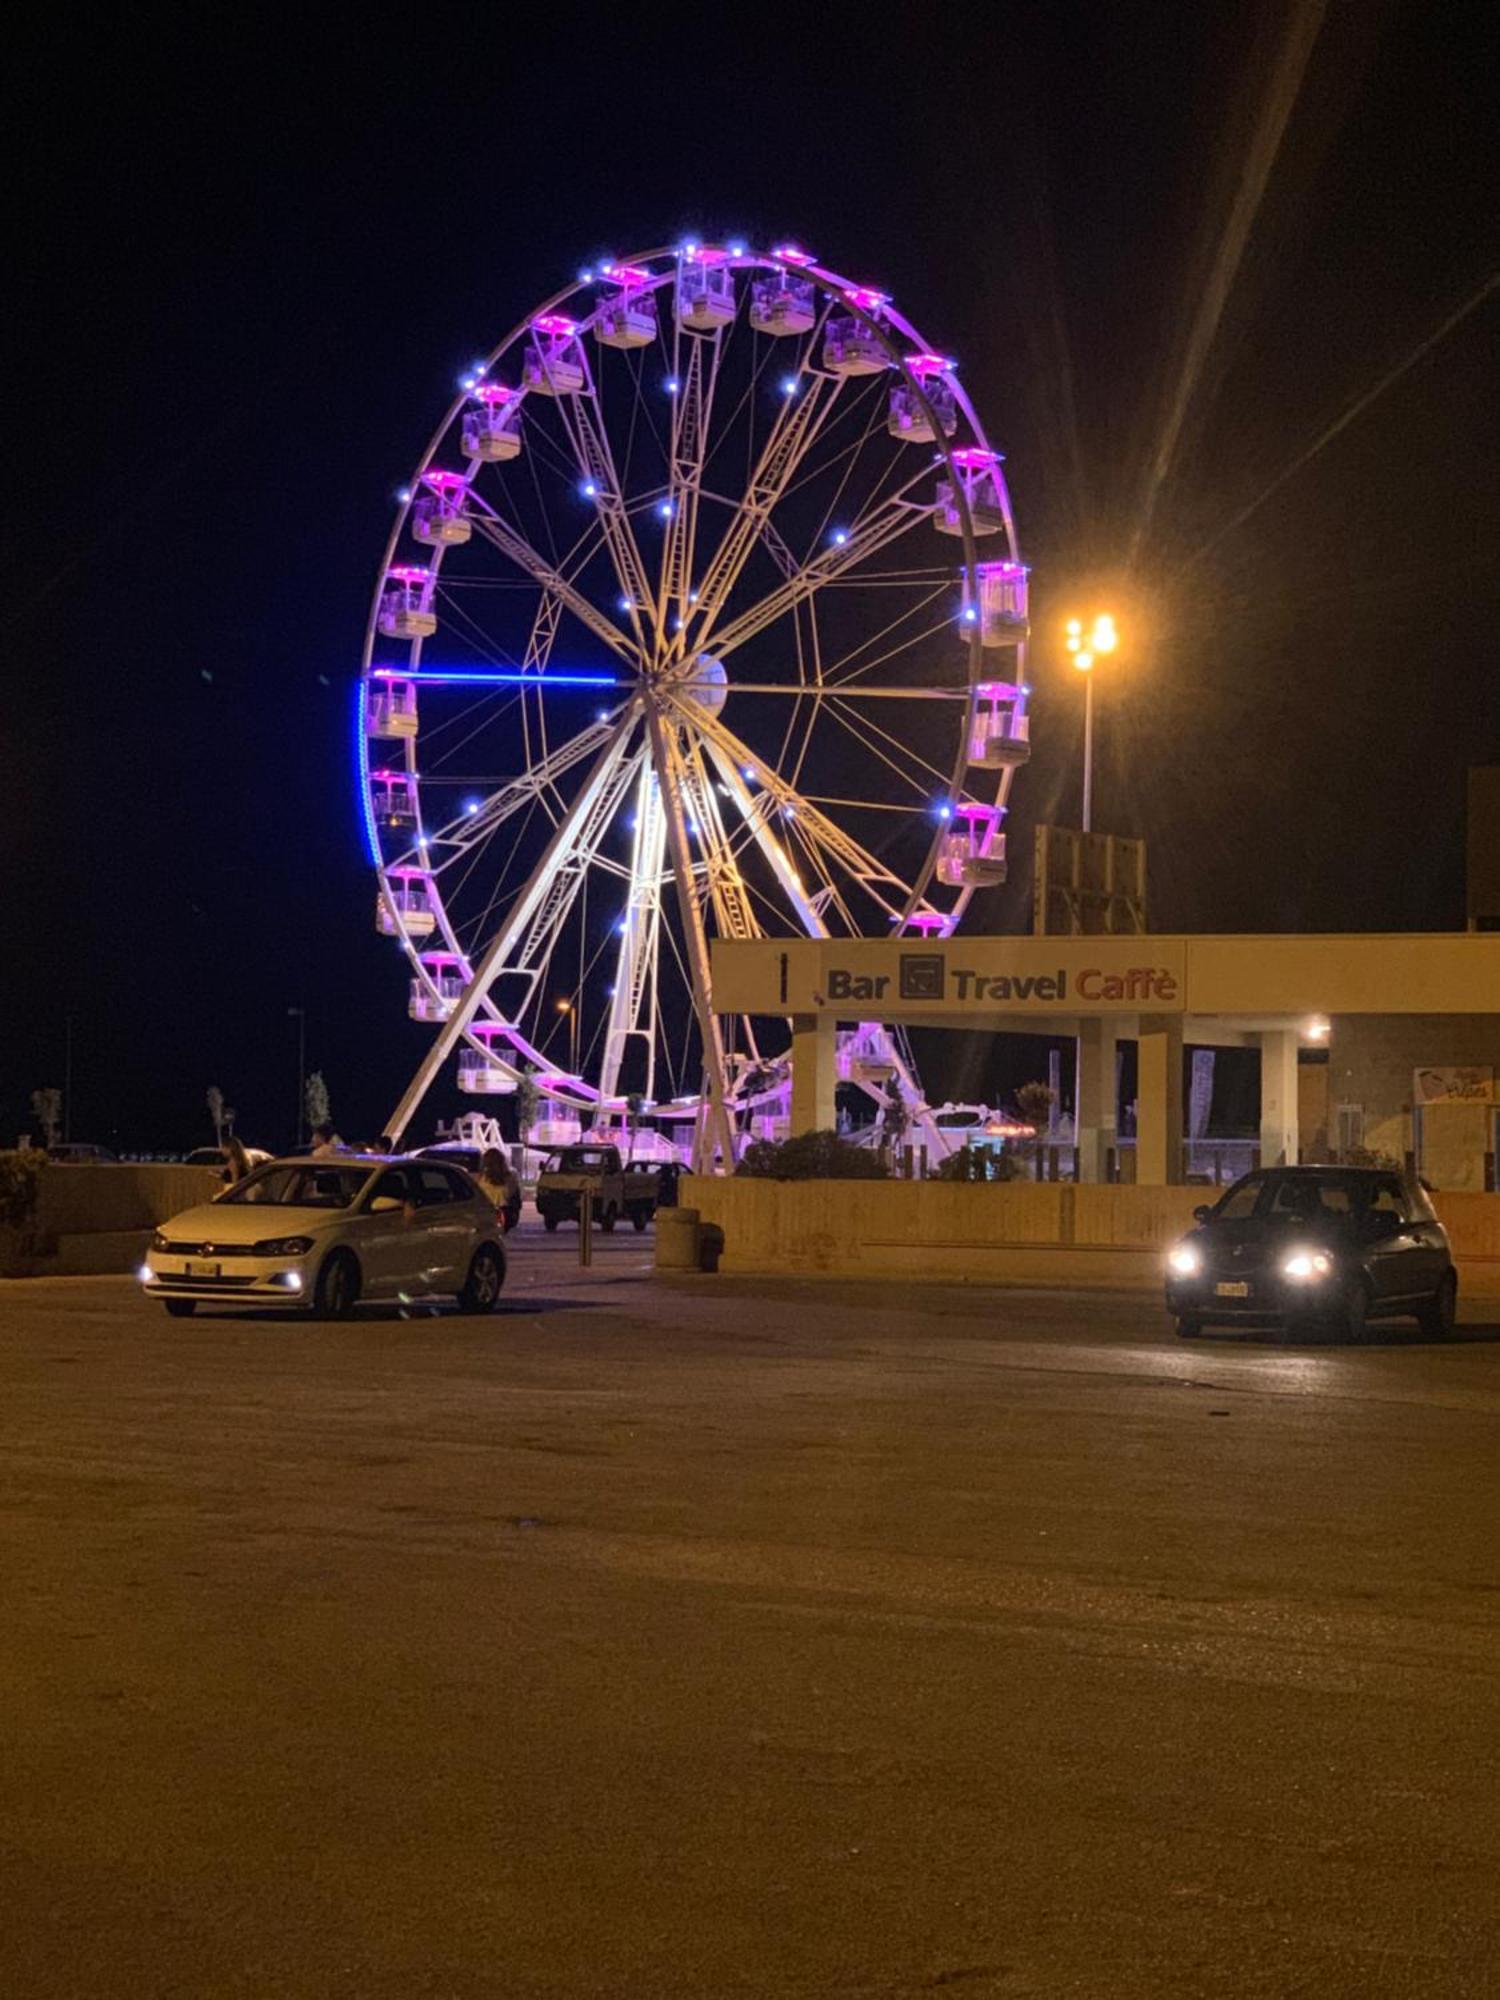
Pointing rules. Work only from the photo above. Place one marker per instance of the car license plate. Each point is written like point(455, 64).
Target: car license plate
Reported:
point(196, 1268)
point(1238, 1290)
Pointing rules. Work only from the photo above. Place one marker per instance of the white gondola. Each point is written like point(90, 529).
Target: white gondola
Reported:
point(553, 363)
point(492, 430)
point(852, 348)
point(783, 304)
point(437, 516)
point(406, 608)
point(978, 482)
point(391, 709)
point(1001, 736)
point(907, 419)
point(627, 313)
point(404, 908)
point(434, 997)
point(973, 854)
point(1002, 593)
point(393, 799)
point(705, 295)
point(481, 1071)
point(557, 1129)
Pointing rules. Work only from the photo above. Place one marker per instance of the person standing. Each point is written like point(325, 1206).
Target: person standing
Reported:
point(500, 1184)
point(237, 1161)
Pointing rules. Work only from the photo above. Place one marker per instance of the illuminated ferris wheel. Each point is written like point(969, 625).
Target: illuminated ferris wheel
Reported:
point(703, 616)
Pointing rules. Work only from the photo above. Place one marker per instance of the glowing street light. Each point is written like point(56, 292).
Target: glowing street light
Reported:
point(566, 1007)
point(1101, 637)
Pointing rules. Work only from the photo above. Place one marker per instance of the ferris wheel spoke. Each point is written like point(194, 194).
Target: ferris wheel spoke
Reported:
point(864, 730)
point(519, 917)
point(692, 413)
point(583, 421)
point(512, 543)
point(715, 1130)
point(633, 1002)
point(798, 422)
point(727, 894)
point(879, 882)
point(889, 520)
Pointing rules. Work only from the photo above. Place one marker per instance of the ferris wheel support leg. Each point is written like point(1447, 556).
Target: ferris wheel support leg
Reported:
point(715, 1132)
point(521, 912)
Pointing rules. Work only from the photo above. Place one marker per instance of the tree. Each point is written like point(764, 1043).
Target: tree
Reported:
point(315, 1099)
point(526, 1101)
point(214, 1098)
point(1034, 1101)
point(46, 1109)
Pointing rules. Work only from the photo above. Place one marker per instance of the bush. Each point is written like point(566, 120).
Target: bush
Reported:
point(20, 1178)
point(978, 1163)
point(811, 1156)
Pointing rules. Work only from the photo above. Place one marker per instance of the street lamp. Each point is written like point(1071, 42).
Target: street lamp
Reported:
point(567, 1007)
point(1086, 647)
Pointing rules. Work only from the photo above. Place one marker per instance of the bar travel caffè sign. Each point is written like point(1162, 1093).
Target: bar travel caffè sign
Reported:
point(955, 977)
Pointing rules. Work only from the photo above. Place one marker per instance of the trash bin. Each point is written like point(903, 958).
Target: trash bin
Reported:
point(677, 1232)
point(710, 1246)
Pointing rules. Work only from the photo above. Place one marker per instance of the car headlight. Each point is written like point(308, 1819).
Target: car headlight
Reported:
point(1306, 1264)
point(1185, 1261)
point(158, 1241)
point(282, 1246)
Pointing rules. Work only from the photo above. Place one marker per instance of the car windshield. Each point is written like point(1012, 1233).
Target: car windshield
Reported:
point(1239, 1203)
point(576, 1160)
point(311, 1185)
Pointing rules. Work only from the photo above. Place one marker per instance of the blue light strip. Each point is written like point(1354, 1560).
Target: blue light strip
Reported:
point(443, 677)
point(362, 772)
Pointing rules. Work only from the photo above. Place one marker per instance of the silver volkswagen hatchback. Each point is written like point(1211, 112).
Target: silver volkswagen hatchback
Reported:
point(320, 1234)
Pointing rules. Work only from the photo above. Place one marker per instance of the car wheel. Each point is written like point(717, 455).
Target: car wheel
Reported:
point(1356, 1313)
point(1189, 1329)
point(608, 1220)
point(180, 1308)
point(549, 1223)
point(1436, 1318)
point(481, 1294)
point(638, 1222)
point(337, 1287)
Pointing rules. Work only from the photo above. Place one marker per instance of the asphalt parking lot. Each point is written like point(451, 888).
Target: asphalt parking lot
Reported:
point(735, 1637)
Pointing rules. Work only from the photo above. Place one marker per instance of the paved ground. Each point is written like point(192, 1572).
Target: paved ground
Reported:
point(741, 1638)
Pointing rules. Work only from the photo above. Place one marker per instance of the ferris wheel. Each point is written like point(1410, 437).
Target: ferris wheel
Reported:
point(703, 615)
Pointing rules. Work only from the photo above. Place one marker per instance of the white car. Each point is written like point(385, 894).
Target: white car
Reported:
point(320, 1234)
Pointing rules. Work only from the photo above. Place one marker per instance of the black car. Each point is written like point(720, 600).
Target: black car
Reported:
point(1314, 1247)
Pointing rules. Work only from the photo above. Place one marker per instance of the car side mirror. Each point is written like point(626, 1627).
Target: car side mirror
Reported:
point(384, 1204)
point(1202, 1213)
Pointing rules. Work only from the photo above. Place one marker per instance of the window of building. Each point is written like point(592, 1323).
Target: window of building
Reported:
point(1349, 1130)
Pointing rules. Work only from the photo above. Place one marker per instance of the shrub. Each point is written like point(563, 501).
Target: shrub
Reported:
point(811, 1156)
point(20, 1178)
point(978, 1163)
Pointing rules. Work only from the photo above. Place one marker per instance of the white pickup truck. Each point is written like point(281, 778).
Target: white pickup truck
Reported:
point(618, 1191)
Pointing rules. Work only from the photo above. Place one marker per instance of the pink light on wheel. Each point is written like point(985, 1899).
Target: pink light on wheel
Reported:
point(410, 573)
point(557, 326)
point(868, 299)
point(923, 365)
point(444, 482)
point(493, 392)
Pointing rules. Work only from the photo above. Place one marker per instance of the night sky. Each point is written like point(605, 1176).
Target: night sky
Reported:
point(251, 267)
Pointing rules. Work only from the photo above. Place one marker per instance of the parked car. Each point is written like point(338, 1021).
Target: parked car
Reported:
point(79, 1153)
point(641, 1192)
point(1306, 1247)
point(321, 1234)
point(572, 1169)
point(213, 1156)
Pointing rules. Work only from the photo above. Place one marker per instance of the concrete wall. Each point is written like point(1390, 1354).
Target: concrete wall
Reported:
point(1370, 1062)
point(1015, 1232)
point(98, 1219)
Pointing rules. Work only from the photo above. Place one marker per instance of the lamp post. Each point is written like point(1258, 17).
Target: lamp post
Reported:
point(567, 1007)
point(301, 1018)
point(1086, 647)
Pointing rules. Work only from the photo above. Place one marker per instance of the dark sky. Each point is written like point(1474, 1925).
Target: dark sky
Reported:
point(251, 264)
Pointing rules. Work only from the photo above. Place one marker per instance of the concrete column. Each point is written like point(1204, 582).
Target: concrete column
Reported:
point(1095, 1093)
point(814, 1072)
point(1158, 1118)
point(1278, 1097)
